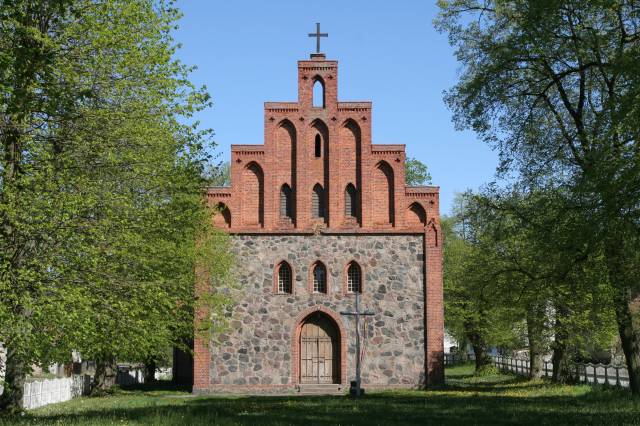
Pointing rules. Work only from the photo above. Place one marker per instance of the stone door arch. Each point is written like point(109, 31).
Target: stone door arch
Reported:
point(319, 349)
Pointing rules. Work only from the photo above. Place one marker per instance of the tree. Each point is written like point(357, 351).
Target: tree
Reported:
point(555, 273)
point(102, 219)
point(416, 173)
point(220, 175)
point(554, 85)
point(516, 275)
point(474, 311)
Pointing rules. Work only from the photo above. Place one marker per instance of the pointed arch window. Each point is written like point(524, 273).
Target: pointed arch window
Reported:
point(318, 93)
point(318, 146)
point(286, 202)
point(318, 202)
point(319, 278)
point(350, 201)
point(285, 281)
point(354, 278)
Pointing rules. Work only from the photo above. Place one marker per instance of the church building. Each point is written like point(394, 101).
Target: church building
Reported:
point(317, 214)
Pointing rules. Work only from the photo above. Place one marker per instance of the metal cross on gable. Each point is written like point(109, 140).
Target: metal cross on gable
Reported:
point(317, 35)
point(357, 314)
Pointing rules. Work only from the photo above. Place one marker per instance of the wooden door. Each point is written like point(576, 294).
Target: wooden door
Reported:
point(319, 354)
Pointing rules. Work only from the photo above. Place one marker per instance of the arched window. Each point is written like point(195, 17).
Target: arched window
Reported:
point(319, 278)
point(284, 278)
point(286, 202)
point(318, 94)
point(350, 201)
point(317, 202)
point(318, 146)
point(354, 278)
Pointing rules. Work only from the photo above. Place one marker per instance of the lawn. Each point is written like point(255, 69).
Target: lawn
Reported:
point(497, 399)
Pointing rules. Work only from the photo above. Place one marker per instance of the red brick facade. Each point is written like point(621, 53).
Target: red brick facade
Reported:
point(315, 157)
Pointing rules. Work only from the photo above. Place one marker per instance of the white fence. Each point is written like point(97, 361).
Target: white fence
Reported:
point(49, 391)
point(599, 374)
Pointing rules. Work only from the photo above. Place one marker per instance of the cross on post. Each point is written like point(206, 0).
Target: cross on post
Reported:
point(317, 35)
point(357, 314)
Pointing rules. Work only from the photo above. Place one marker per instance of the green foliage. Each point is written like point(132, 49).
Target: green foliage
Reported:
point(416, 172)
point(475, 305)
point(101, 188)
point(516, 275)
point(554, 86)
point(486, 371)
point(220, 175)
point(215, 267)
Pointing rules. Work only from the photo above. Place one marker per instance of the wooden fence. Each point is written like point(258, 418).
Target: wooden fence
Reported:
point(600, 374)
point(597, 374)
point(453, 359)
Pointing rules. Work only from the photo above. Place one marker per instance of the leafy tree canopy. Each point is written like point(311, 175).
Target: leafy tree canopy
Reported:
point(101, 169)
point(416, 172)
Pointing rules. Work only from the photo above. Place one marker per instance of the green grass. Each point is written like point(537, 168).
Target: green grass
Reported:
point(466, 400)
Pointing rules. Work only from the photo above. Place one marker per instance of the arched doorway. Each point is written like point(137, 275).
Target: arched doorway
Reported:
point(319, 350)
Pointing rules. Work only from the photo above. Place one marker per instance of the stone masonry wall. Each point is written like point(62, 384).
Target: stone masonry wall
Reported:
point(257, 350)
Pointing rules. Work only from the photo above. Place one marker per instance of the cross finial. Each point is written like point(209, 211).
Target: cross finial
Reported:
point(317, 35)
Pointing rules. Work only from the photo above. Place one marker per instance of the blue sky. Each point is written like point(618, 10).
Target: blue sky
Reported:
point(388, 52)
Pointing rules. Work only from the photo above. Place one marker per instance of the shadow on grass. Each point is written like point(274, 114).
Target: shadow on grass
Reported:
point(386, 408)
point(159, 385)
point(466, 399)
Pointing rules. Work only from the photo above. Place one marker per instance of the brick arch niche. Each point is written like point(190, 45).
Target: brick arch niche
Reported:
point(286, 172)
point(383, 197)
point(350, 156)
point(318, 167)
point(336, 321)
point(222, 216)
point(416, 216)
point(253, 195)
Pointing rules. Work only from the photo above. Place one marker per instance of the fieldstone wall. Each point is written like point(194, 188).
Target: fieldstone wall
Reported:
point(256, 350)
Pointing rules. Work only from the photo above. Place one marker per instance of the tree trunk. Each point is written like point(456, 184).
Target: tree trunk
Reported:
point(630, 340)
point(150, 371)
point(623, 298)
point(534, 334)
point(15, 118)
point(561, 368)
point(463, 349)
point(106, 370)
point(479, 350)
point(15, 372)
